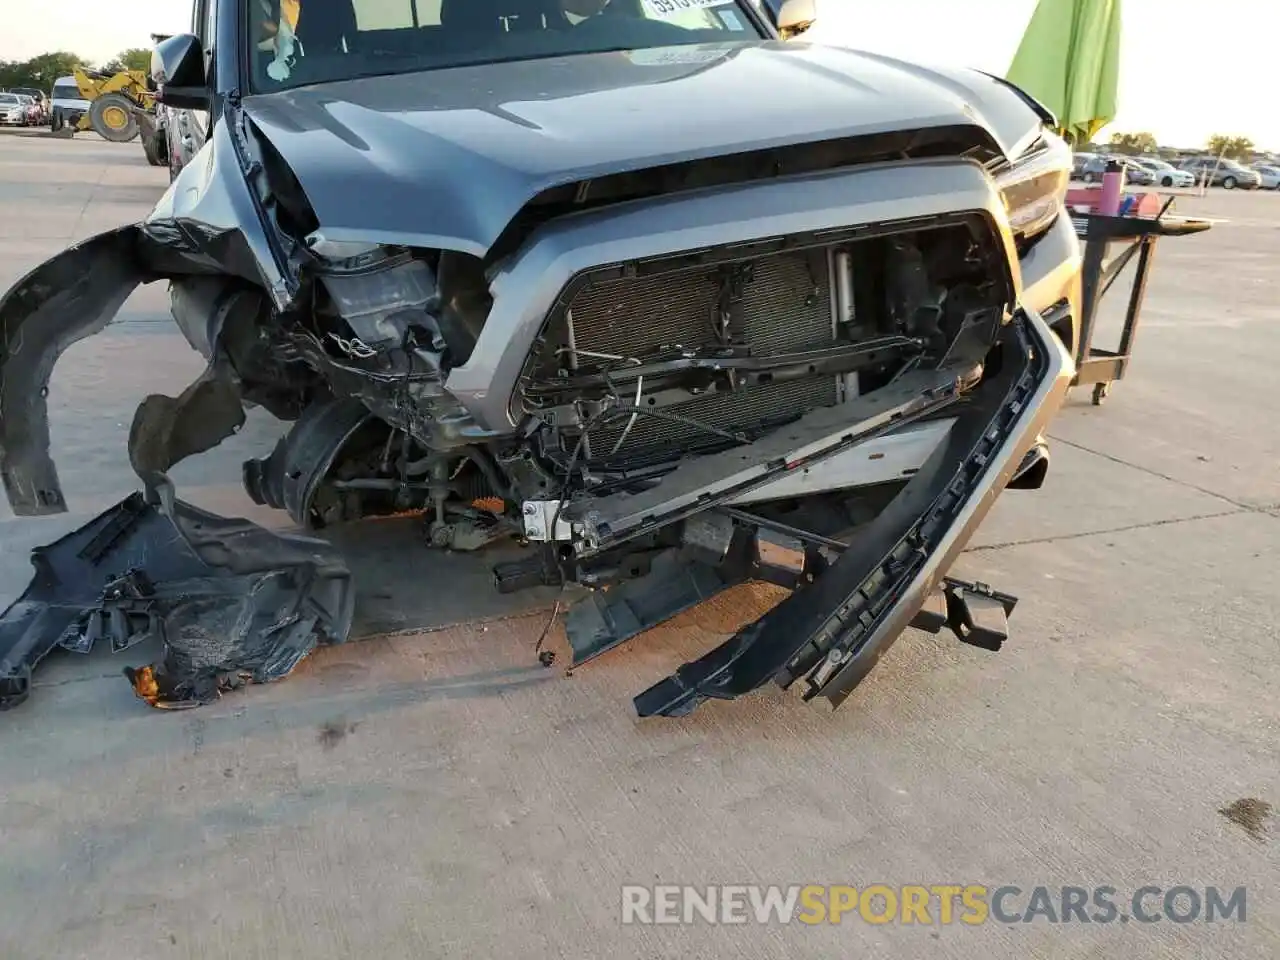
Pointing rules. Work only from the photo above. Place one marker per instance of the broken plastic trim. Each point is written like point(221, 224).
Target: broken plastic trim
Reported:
point(700, 483)
point(62, 301)
point(229, 601)
point(834, 631)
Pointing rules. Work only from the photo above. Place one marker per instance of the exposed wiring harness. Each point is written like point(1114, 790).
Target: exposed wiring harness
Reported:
point(633, 410)
point(613, 413)
point(632, 422)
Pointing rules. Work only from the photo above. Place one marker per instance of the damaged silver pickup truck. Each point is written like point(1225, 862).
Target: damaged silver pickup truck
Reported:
point(652, 287)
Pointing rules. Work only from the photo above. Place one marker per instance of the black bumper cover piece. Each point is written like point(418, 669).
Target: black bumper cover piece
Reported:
point(834, 631)
point(230, 601)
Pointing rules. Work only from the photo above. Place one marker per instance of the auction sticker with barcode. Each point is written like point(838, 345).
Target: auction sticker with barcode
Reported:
point(669, 8)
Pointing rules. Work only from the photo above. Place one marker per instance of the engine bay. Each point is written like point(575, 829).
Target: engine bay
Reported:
point(638, 368)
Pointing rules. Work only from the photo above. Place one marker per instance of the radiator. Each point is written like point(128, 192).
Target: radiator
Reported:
point(785, 307)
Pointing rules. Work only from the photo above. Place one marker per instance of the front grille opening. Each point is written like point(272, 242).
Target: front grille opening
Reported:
point(723, 348)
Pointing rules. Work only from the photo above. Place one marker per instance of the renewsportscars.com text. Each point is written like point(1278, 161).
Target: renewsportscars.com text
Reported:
point(971, 904)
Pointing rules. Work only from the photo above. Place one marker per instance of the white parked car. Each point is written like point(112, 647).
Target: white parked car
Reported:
point(1270, 174)
point(1166, 174)
point(67, 104)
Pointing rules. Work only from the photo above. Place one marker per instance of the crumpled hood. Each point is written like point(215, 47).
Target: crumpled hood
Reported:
point(446, 158)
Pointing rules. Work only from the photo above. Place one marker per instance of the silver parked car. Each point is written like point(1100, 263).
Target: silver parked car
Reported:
point(13, 111)
point(1222, 172)
point(1270, 174)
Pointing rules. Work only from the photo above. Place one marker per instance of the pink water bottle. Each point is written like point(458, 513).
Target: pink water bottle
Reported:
point(1112, 187)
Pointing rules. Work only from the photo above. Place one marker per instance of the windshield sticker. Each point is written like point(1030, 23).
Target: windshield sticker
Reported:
point(673, 8)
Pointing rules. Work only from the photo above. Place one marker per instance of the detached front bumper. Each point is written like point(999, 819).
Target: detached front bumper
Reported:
point(831, 633)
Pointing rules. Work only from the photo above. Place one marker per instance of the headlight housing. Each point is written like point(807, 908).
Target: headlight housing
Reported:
point(1034, 187)
point(378, 291)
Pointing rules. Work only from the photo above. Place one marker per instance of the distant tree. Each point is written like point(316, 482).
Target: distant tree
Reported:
point(1236, 148)
point(39, 71)
point(1134, 143)
point(48, 67)
point(135, 58)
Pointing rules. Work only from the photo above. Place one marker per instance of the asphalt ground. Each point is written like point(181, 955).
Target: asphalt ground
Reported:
point(432, 791)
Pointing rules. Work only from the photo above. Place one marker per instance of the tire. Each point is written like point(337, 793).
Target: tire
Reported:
point(1228, 183)
point(1167, 182)
point(153, 148)
point(155, 141)
point(111, 116)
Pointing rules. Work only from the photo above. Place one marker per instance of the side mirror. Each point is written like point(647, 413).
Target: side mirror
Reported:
point(177, 72)
point(792, 17)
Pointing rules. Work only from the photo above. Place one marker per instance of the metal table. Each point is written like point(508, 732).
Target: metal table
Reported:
point(1136, 237)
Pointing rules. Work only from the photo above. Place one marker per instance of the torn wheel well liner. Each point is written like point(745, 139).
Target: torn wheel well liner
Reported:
point(64, 300)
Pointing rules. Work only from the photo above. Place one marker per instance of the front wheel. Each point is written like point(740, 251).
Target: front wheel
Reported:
point(111, 116)
point(1167, 182)
point(1228, 183)
point(154, 149)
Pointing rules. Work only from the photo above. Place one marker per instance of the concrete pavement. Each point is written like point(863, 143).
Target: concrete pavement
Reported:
point(438, 793)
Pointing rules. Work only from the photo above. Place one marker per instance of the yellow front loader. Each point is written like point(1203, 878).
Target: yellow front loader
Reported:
point(114, 103)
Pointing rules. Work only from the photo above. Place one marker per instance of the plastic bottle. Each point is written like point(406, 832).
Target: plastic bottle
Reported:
point(1112, 188)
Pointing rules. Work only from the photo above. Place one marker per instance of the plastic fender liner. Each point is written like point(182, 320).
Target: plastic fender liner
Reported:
point(62, 301)
point(229, 600)
point(834, 631)
point(208, 222)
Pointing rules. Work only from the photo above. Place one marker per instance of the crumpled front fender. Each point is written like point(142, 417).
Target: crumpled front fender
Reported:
point(64, 300)
point(209, 222)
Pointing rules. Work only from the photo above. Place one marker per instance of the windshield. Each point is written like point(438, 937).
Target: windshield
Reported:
point(8, 99)
point(66, 91)
point(298, 42)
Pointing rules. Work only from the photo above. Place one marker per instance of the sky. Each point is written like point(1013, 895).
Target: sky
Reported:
point(1188, 69)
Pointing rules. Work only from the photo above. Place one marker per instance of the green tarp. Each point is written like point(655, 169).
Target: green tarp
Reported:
point(1069, 60)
